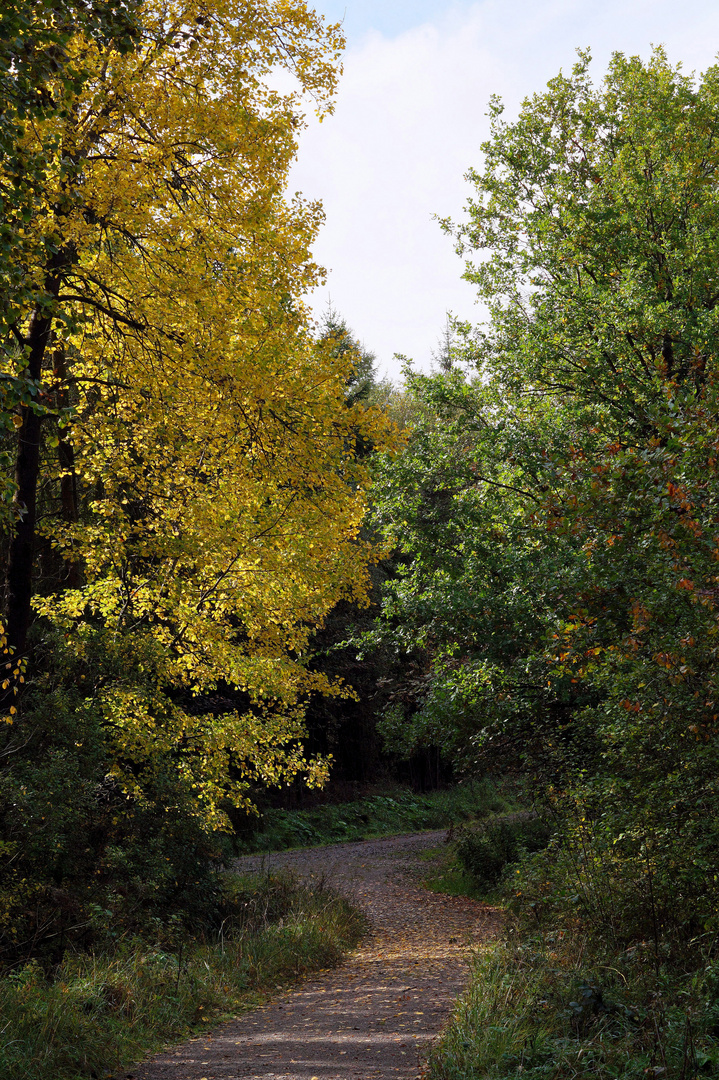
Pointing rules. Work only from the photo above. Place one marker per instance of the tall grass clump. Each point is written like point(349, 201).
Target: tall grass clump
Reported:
point(98, 1011)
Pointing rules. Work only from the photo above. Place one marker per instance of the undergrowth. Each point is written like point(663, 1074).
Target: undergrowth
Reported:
point(96, 1012)
point(480, 853)
point(553, 1005)
point(400, 810)
point(448, 877)
point(601, 974)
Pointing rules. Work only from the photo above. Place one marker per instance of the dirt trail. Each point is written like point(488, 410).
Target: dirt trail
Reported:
point(372, 1018)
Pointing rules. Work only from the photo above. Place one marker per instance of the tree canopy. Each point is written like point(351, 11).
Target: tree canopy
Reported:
point(186, 505)
point(556, 504)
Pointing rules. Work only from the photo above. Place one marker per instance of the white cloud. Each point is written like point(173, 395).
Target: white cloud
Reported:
point(409, 122)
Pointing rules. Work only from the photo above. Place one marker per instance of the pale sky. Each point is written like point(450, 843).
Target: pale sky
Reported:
point(409, 120)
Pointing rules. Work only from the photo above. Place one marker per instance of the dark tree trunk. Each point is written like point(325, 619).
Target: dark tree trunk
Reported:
point(66, 460)
point(22, 546)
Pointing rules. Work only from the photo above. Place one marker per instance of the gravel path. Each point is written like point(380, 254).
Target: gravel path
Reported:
point(372, 1018)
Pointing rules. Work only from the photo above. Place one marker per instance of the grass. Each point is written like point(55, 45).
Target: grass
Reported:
point(96, 1013)
point(550, 1006)
point(399, 810)
point(556, 1002)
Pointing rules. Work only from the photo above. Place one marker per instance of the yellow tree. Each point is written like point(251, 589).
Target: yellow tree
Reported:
point(209, 500)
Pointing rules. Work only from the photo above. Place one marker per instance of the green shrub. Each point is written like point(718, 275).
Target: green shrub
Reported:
point(556, 1005)
point(81, 860)
point(638, 885)
point(485, 850)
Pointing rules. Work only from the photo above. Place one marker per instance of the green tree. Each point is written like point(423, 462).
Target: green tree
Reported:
point(596, 218)
point(442, 355)
point(337, 336)
point(473, 589)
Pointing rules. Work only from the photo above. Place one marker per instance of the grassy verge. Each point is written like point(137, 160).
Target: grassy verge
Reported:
point(399, 810)
point(96, 1013)
point(552, 1005)
point(558, 999)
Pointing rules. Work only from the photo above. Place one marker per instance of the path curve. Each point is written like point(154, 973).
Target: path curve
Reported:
point(373, 1017)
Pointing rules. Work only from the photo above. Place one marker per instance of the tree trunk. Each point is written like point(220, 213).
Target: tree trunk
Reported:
point(66, 460)
point(22, 546)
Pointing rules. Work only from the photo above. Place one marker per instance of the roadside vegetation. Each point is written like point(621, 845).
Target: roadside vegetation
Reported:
point(395, 810)
point(478, 855)
point(549, 1006)
point(99, 1010)
point(574, 990)
point(597, 975)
